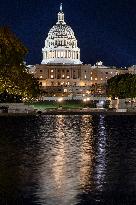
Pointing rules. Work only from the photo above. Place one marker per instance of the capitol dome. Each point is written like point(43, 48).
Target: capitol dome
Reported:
point(61, 44)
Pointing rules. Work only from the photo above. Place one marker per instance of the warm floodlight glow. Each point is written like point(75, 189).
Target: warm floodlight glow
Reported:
point(60, 99)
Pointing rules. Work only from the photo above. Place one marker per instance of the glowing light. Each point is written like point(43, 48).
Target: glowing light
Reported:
point(87, 92)
point(44, 83)
point(102, 102)
point(60, 99)
point(61, 7)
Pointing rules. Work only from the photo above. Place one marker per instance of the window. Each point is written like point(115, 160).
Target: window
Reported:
point(91, 78)
point(65, 90)
point(41, 76)
point(95, 78)
point(40, 71)
point(68, 77)
point(85, 76)
point(44, 84)
point(51, 71)
point(52, 76)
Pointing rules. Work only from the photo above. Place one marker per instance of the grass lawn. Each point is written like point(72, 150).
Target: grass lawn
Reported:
point(55, 105)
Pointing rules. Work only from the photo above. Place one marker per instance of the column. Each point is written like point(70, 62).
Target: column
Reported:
point(72, 54)
point(79, 55)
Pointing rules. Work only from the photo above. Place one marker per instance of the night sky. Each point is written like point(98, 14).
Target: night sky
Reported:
point(105, 29)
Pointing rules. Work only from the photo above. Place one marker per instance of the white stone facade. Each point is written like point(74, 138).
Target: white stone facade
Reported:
point(61, 44)
point(73, 75)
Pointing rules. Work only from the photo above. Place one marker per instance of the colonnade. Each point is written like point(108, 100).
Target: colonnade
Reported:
point(61, 54)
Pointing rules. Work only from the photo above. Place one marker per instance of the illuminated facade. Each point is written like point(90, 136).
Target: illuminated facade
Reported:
point(61, 44)
point(73, 77)
point(61, 66)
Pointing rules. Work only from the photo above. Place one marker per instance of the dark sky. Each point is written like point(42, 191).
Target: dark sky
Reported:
point(105, 29)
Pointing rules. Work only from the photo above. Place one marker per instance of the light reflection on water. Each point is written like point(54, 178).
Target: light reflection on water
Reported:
point(100, 167)
point(68, 160)
point(86, 153)
point(62, 183)
point(70, 164)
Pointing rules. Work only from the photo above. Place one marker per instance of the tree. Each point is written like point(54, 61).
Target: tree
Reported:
point(14, 78)
point(122, 86)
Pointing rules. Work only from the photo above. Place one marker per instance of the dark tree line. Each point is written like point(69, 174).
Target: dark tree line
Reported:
point(15, 81)
point(122, 86)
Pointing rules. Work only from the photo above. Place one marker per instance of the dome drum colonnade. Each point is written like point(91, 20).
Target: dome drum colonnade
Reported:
point(61, 44)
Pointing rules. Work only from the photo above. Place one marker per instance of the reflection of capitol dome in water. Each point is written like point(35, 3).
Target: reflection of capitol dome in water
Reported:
point(61, 44)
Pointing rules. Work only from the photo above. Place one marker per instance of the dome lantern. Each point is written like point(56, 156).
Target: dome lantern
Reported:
point(61, 16)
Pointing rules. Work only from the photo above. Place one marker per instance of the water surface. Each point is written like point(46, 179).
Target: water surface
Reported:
point(68, 160)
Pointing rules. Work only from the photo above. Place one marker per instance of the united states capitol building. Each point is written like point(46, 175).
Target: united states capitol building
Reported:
point(62, 71)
